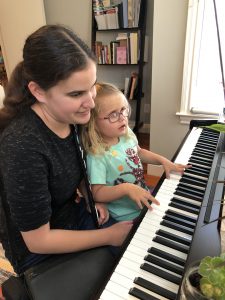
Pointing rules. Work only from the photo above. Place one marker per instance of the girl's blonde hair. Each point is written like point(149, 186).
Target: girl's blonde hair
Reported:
point(91, 138)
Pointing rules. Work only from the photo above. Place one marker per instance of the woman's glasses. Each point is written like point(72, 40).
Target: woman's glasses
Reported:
point(115, 116)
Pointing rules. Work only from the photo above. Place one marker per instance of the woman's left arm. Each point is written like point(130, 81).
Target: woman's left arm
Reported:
point(147, 156)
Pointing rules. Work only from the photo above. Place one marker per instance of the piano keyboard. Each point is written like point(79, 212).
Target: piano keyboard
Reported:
point(153, 263)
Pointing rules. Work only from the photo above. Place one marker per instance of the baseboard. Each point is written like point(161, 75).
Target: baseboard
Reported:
point(154, 170)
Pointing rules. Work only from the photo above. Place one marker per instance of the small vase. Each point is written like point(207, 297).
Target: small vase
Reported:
point(190, 286)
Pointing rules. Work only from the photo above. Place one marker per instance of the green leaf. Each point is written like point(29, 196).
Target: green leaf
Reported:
point(206, 287)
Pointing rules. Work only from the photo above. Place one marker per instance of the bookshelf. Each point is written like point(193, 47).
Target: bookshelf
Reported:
point(119, 45)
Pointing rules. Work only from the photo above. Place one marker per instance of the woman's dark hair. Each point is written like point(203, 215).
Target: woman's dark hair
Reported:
point(50, 54)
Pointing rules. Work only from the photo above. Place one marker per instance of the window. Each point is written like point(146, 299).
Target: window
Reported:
point(202, 90)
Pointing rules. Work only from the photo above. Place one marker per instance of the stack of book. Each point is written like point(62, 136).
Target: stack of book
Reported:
point(123, 50)
point(114, 14)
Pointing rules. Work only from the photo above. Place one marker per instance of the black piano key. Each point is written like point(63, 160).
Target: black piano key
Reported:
point(202, 150)
point(209, 139)
point(196, 172)
point(188, 201)
point(171, 244)
point(184, 207)
point(179, 221)
point(213, 142)
point(190, 191)
point(180, 215)
point(195, 181)
point(164, 264)
point(173, 237)
point(202, 169)
point(199, 160)
point(203, 159)
point(163, 274)
point(190, 186)
point(184, 202)
point(168, 256)
point(201, 166)
point(188, 195)
point(155, 288)
point(178, 227)
point(202, 163)
point(202, 154)
point(207, 148)
point(141, 295)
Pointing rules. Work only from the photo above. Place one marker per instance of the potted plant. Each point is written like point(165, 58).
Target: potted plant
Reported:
point(205, 280)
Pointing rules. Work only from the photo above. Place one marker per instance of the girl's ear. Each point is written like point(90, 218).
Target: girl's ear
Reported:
point(37, 91)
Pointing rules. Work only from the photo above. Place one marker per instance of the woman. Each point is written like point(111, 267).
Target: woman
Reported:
point(52, 89)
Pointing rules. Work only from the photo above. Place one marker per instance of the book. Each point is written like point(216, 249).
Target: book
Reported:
point(123, 39)
point(120, 15)
point(112, 17)
point(126, 86)
point(146, 48)
point(113, 45)
point(101, 20)
point(136, 14)
point(98, 47)
point(133, 47)
point(134, 79)
point(125, 17)
point(121, 55)
point(130, 13)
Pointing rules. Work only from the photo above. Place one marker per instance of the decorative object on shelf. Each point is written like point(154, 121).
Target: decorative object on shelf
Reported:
point(205, 279)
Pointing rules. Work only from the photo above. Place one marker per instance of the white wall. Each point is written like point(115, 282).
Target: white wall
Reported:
point(17, 20)
point(169, 29)
point(73, 13)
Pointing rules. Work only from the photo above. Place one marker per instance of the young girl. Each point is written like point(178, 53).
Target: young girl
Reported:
point(114, 158)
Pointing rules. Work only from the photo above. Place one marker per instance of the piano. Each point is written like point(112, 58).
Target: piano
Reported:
point(178, 232)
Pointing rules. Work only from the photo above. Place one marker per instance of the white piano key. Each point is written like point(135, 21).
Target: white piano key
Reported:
point(207, 160)
point(107, 295)
point(151, 243)
point(166, 207)
point(197, 203)
point(170, 230)
point(197, 176)
point(128, 283)
point(193, 186)
point(140, 243)
point(124, 290)
point(138, 251)
point(135, 258)
point(131, 270)
point(141, 253)
point(200, 165)
point(118, 290)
